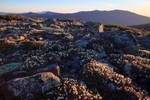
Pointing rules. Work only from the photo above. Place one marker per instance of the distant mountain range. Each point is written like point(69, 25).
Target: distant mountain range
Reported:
point(45, 14)
point(114, 16)
point(2, 13)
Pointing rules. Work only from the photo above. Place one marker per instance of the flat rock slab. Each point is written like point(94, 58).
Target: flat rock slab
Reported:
point(31, 86)
point(10, 67)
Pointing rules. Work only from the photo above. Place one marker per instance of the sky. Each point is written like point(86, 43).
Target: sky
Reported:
point(141, 7)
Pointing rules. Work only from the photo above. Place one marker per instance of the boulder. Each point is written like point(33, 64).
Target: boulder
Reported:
point(6, 68)
point(54, 68)
point(31, 87)
point(95, 26)
point(124, 41)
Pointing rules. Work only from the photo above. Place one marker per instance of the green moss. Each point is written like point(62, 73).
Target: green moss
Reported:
point(127, 69)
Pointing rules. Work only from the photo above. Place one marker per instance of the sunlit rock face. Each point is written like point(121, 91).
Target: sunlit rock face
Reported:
point(101, 28)
point(67, 59)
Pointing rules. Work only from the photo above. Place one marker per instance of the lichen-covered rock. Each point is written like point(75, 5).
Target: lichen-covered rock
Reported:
point(31, 87)
point(34, 52)
point(54, 68)
point(124, 41)
point(48, 22)
point(101, 45)
point(95, 27)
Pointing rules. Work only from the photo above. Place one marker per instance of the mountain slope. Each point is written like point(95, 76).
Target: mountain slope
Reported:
point(144, 26)
point(115, 16)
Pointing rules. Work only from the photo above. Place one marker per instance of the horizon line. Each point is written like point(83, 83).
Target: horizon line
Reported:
point(69, 12)
point(63, 12)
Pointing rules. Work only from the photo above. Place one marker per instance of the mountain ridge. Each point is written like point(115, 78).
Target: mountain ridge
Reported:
point(122, 17)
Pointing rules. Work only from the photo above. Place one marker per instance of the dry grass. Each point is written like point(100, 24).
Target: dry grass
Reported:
point(124, 28)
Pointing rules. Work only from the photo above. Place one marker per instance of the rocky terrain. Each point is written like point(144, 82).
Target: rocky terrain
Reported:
point(54, 59)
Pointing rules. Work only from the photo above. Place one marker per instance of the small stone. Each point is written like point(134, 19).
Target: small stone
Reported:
point(21, 38)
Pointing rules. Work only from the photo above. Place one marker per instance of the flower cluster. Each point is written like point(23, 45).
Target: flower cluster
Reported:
point(144, 53)
point(34, 62)
point(139, 65)
point(104, 76)
point(72, 89)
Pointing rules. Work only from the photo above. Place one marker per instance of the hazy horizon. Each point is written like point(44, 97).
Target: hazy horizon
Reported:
point(71, 6)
